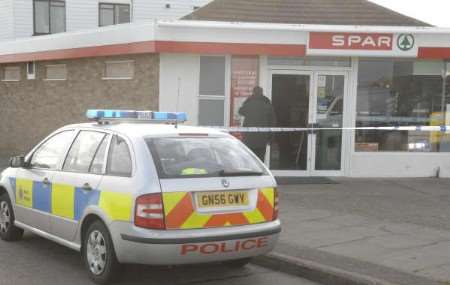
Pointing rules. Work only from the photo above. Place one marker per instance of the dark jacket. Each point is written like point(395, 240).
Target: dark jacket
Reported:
point(258, 112)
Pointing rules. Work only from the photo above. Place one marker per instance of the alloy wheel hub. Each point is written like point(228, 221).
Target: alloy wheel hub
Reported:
point(96, 252)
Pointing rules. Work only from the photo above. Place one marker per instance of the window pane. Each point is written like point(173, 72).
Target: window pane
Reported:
point(106, 15)
point(400, 93)
point(330, 104)
point(99, 159)
point(181, 157)
point(41, 17)
point(119, 159)
point(30, 67)
point(11, 73)
point(212, 75)
point(82, 151)
point(57, 17)
point(122, 14)
point(50, 154)
point(211, 112)
point(120, 69)
point(56, 72)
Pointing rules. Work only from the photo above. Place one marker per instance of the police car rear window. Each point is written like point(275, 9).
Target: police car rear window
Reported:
point(186, 157)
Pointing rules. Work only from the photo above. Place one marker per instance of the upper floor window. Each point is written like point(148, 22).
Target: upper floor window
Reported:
point(49, 16)
point(112, 14)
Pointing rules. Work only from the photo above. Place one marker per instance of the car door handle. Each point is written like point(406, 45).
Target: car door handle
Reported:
point(46, 181)
point(86, 187)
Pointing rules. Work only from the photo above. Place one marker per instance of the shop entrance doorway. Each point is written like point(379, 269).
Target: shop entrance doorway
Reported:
point(310, 99)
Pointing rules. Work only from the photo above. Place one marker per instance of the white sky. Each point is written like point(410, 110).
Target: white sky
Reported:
point(435, 12)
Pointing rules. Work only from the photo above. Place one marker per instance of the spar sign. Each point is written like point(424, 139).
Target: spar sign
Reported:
point(360, 44)
point(351, 41)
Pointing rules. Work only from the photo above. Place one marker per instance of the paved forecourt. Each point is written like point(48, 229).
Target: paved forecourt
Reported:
point(388, 225)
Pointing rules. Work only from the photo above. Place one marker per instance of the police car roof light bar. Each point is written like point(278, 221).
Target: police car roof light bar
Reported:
point(103, 116)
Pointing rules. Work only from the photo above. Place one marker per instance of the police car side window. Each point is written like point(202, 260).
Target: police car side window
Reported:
point(82, 151)
point(99, 158)
point(119, 158)
point(51, 152)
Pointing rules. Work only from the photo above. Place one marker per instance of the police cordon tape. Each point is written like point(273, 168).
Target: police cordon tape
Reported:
point(442, 129)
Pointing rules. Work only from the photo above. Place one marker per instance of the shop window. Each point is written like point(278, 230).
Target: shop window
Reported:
point(212, 75)
point(212, 91)
point(211, 111)
point(49, 16)
point(56, 72)
point(113, 14)
point(11, 73)
point(244, 77)
point(119, 69)
point(401, 93)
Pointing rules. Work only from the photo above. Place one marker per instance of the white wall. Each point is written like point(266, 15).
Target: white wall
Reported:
point(184, 71)
point(400, 164)
point(6, 23)
point(81, 14)
point(23, 18)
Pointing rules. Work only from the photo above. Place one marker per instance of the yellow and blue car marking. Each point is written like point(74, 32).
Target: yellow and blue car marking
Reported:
point(42, 197)
point(70, 202)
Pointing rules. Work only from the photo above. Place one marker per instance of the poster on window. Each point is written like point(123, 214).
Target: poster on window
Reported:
point(244, 77)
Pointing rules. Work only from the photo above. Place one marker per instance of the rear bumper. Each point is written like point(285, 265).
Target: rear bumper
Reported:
point(136, 245)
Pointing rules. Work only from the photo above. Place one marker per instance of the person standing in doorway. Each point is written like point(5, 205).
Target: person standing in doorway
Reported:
point(258, 112)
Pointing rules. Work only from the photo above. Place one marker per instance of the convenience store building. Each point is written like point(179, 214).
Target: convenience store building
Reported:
point(384, 69)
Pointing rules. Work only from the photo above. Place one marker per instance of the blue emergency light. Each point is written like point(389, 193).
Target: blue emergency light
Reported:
point(131, 115)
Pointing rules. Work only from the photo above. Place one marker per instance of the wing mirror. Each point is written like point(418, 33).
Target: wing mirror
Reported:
point(18, 162)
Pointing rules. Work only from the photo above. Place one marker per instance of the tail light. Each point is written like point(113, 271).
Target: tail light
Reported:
point(275, 204)
point(149, 212)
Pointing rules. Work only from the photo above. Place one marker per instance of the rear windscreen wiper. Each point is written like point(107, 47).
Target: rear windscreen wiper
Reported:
point(240, 173)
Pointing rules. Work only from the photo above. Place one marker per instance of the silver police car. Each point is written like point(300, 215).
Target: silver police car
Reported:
point(137, 187)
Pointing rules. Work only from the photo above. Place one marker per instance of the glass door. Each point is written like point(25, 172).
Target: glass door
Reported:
point(291, 98)
point(328, 113)
point(307, 99)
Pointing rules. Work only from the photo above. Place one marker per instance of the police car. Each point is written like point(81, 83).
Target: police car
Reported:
point(137, 187)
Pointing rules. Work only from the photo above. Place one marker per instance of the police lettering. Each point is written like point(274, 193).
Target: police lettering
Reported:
point(224, 247)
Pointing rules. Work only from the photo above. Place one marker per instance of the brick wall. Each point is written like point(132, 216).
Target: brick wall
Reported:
point(31, 109)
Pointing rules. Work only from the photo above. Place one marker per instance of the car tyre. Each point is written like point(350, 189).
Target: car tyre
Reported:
point(238, 263)
point(8, 231)
point(98, 254)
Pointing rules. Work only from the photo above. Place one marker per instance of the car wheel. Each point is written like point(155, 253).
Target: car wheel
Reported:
point(98, 254)
point(238, 263)
point(8, 231)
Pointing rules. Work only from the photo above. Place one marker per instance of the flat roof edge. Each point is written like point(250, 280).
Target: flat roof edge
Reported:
point(145, 37)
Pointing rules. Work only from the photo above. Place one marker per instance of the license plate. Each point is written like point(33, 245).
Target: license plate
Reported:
point(222, 199)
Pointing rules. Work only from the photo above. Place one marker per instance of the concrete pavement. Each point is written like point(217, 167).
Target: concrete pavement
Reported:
point(397, 230)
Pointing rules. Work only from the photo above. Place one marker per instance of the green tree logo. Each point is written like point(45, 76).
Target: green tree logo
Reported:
point(405, 42)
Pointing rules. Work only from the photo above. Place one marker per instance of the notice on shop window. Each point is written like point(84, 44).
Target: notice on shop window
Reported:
point(244, 77)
